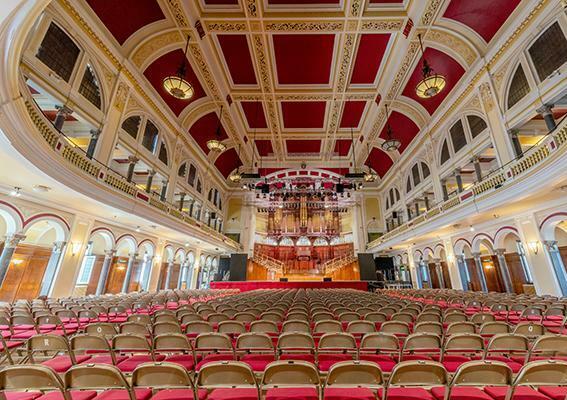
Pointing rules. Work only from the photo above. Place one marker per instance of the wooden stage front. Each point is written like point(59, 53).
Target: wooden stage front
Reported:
point(245, 286)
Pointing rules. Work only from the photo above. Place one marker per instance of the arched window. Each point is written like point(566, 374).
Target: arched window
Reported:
point(425, 170)
point(163, 153)
point(320, 242)
point(149, 141)
point(476, 124)
point(303, 241)
point(397, 193)
point(549, 51)
point(445, 155)
point(131, 125)
point(192, 174)
point(58, 52)
point(199, 186)
point(182, 170)
point(408, 185)
point(519, 87)
point(415, 175)
point(90, 88)
point(387, 203)
point(458, 137)
point(286, 241)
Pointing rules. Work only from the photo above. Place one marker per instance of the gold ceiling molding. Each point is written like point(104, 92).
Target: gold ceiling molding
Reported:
point(275, 126)
point(487, 97)
point(146, 50)
point(222, 26)
point(377, 126)
point(304, 97)
point(177, 12)
point(198, 112)
point(251, 8)
point(335, 26)
point(408, 59)
point(384, 25)
point(207, 76)
point(498, 78)
point(356, 8)
point(417, 117)
point(133, 104)
point(260, 53)
point(348, 48)
point(454, 43)
point(430, 11)
point(121, 96)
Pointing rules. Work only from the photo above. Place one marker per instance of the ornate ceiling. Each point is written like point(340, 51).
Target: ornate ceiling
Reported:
point(300, 75)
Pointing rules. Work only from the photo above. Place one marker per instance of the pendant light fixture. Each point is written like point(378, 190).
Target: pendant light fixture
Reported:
point(390, 144)
point(236, 176)
point(176, 85)
point(431, 84)
point(216, 144)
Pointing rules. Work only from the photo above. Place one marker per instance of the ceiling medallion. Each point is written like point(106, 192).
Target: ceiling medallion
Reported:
point(390, 144)
point(176, 85)
point(432, 84)
point(216, 144)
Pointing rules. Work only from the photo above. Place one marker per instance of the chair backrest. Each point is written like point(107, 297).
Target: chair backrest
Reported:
point(322, 316)
point(254, 342)
point(403, 317)
point(103, 329)
point(428, 317)
point(327, 326)
point(464, 343)
point(337, 341)
point(482, 318)
point(20, 378)
point(456, 328)
point(199, 327)
point(264, 326)
point(494, 328)
point(508, 343)
point(395, 327)
point(540, 373)
point(272, 316)
point(295, 342)
point(161, 375)
point(48, 344)
point(418, 373)
point(286, 373)
point(213, 342)
point(144, 319)
point(454, 318)
point(361, 327)
point(380, 343)
point(355, 374)
point(529, 329)
point(231, 327)
point(296, 325)
point(165, 318)
point(480, 374)
point(189, 317)
point(172, 342)
point(160, 328)
point(84, 343)
point(244, 317)
point(128, 343)
point(549, 346)
point(96, 377)
point(226, 374)
point(348, 316)
point(376, 316)
point(134, 328)
point(217, 317)
point(422, 343)
point(429, 327)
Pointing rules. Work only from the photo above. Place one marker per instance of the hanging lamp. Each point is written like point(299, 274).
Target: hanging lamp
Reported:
point(390, 144)
point(236, 176)
point(369, 176)
point(176, 85)
point(216, 144)
point(431, 84)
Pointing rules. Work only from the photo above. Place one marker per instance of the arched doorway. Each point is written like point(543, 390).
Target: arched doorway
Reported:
point(189, 271)
point(99, 248)
point(512, 260)
point(125, 258)
point(466, 265)
point(166, 268)
point(140, 279)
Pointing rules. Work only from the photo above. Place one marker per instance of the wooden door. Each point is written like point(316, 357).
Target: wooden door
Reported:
point(136, 276)
point(446, 275)
point(516, 271)
point(95, 274)
point(474, 275)
point(175, 276)
point(491, 268)
point(435, 284)
point(116, 275)
point(25, 273)
point(162, 275)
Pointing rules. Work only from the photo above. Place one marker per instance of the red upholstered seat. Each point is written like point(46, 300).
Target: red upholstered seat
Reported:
point(521, 393)
point(63, 363)
point(554, 392)
point(178, 394)
point(461, 393)
point(22, 395)
point(105, 359)
point(122, 394)
point(257, 362)
point(292, 393)
point(349, 394)
point(409, 394)
point(328, 360)
point(23, 335)
point(299, 357)
point(75, 395)
point(386, 363)
point(233, 394)
point(132, 362)
point(185, 360)
point(515, 366)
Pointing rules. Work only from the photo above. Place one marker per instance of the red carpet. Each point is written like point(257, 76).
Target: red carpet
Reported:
point(246, 286)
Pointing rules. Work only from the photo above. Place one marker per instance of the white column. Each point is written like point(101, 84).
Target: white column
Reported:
point(480, 271)
point(248, 218)
point(168, 274)
point(452, 265)
point(504, 270)
point(156, 267)
point(439, 271)
point(51, 269)
point(541, 266)
point(128, 275)
point(358, 225)
point(10, 245)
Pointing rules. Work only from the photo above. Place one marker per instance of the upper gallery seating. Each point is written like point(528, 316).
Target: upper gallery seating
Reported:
point(286, 344)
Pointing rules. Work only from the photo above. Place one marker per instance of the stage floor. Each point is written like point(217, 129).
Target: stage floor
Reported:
point(245, 286)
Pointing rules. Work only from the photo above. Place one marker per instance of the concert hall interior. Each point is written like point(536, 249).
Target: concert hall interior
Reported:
point(217, 170)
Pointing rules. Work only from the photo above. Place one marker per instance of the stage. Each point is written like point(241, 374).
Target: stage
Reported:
point(245, 286)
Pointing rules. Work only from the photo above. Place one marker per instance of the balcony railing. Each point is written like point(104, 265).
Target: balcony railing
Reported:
point(106, 176)
point(553, 142)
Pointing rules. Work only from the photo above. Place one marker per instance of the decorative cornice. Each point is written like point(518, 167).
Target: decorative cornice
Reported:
point(430, 11)
point(177, 11)
point(146, 50)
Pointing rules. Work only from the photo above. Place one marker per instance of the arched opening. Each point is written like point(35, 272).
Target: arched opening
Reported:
point(188, 280)
point(487, 264)
point(141, 273)
point(466, 266)
point(35, 260)
point(166, 268)
point(100, 243)
point(513, 262)
point(124, 260)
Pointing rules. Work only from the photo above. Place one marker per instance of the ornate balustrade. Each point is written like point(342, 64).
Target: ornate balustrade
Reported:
point(505, 176)
point(109, 178)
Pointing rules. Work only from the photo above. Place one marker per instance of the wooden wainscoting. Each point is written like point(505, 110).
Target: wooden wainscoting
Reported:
point(116, 275)
point(95, 274)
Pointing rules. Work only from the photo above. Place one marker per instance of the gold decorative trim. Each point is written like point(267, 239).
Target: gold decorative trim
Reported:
point(408, 59)
point(151, 46)
point(356, 8)
point(226, 26)
point(430, 12)
point(382, 25)
point(177, 11)
point(121, 96)
point(304, 26)
point(486, 95)
point(252, 8)
point(454, 43)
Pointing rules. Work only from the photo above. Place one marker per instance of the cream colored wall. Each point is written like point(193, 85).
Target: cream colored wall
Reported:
point(233, 223)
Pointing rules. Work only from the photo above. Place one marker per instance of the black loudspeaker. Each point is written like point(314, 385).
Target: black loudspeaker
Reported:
point(238, 266)
point(213, 215)
point(283, 279)
point(265, 188)
point(327, 279)
point(394, 214)
point(367, 267)
point(340, 188)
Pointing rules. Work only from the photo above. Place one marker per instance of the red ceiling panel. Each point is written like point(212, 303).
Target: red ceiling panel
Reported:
point(254, 113)
point(369, 56)
point(221, 2)
point(228, 162)
point(165, 66)
point(237, 55)
point(303, 146)
point(303, 59)
point(205, 128)
point(485, 17)
point(403, 129)
point(352, 112)
point(342, 147)
point(379, 161)
point(303, 114)
point(442, 64)
point(386, 1)
point(303, 2)
point(124, 17)
point(264, 147)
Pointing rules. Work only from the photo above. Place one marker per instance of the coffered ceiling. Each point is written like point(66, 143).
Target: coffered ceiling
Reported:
point(301, 76)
